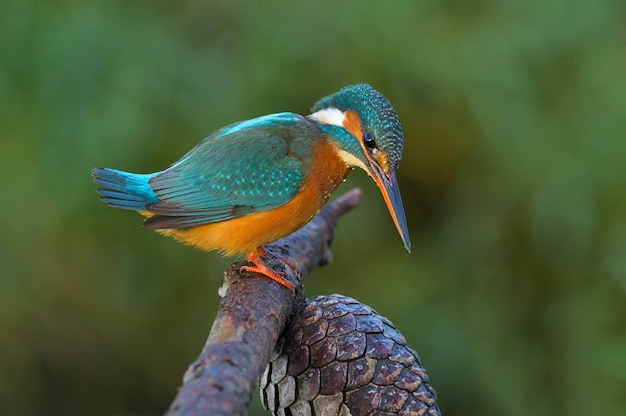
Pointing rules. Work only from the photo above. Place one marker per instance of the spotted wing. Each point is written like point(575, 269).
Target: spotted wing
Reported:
point(241, 169)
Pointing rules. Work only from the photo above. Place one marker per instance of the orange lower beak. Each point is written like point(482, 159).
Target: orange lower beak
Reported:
point(388, 186)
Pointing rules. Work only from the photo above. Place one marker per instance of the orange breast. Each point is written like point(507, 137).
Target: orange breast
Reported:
point(245, 234)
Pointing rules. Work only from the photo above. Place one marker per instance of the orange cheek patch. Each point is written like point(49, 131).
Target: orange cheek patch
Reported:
point(383, 162)
point(352, 123)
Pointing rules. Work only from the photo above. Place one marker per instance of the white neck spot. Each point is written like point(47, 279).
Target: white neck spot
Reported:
point(330, 115)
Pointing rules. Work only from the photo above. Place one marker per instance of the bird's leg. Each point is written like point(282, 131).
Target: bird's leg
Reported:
point(262, 268)
point(263, 253)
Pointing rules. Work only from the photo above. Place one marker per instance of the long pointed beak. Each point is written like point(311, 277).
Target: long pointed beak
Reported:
point(388, 186)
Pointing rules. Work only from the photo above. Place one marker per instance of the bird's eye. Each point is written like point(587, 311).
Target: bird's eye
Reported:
point(368, 139)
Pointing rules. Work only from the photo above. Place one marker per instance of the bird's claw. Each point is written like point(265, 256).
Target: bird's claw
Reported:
point(259, 266)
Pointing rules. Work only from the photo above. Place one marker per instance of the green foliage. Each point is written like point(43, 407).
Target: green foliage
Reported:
point(513, 180)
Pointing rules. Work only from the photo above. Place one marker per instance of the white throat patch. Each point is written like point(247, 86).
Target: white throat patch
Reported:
point(352, 160)
point(330, 115)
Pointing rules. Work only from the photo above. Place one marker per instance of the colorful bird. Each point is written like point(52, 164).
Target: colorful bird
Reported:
point(256, 181)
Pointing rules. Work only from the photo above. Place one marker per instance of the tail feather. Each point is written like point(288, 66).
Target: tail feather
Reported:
point(124, 190)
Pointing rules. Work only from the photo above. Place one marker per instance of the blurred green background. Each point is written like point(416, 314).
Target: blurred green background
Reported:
point(513, 179)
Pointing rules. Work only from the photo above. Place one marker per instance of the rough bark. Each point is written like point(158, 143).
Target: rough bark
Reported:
point(251, 317)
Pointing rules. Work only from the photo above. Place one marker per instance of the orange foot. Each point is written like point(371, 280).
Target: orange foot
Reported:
point(262, 268)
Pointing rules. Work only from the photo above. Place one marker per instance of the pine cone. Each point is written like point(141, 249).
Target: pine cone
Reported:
point(339, 357)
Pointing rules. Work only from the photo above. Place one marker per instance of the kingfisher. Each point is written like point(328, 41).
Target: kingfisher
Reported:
point(256, 181)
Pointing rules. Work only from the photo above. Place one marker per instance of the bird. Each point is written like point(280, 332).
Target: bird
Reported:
point(253, 182)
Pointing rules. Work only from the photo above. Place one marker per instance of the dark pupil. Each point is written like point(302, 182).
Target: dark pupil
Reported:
point(368, 138)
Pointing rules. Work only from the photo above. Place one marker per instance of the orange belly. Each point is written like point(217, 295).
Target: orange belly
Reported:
point(245, 234)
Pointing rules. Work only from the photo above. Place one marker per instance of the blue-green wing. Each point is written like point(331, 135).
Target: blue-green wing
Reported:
point(244, 168)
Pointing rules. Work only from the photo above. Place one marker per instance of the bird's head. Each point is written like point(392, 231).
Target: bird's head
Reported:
point(367, 132)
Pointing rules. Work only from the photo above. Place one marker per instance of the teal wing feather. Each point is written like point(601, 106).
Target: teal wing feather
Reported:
point(246, 167)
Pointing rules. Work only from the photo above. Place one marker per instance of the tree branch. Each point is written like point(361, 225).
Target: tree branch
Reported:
point(251, 317)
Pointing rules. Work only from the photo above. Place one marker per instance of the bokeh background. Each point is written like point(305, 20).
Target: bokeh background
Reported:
point(513, 179)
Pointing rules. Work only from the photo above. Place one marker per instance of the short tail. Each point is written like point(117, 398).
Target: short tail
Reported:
point(124, 190)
